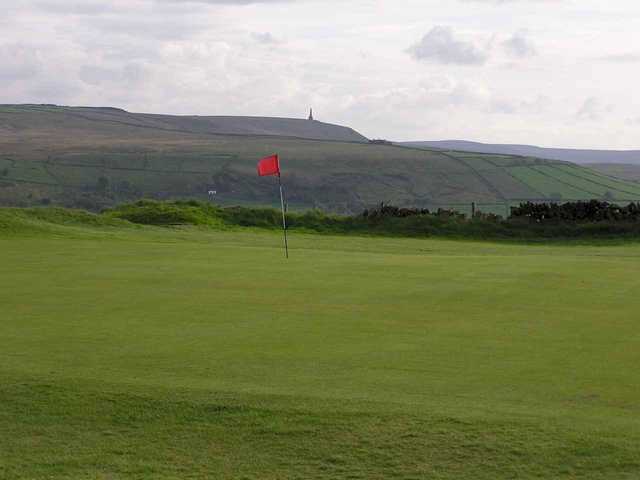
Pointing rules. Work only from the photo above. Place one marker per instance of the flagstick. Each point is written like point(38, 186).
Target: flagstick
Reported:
point(284, 218)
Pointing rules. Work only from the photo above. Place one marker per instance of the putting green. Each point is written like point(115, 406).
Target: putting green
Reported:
point(150, 353)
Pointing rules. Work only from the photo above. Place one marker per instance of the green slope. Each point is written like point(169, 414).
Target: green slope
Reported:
point(83, 157)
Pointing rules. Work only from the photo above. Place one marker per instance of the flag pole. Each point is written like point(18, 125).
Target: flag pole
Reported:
point(284, 217)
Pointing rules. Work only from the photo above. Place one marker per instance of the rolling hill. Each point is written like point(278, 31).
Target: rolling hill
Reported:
point(566, 154)
point(97, 157)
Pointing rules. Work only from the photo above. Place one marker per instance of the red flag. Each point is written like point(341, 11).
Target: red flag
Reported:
point(269, 166)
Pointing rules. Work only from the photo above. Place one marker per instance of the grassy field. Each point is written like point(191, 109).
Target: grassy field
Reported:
point(94, 158)
point(143, 352)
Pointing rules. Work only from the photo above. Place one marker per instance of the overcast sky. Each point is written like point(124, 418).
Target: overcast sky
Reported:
point(547, 72)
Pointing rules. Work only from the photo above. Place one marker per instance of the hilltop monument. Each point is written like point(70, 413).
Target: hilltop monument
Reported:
point(311, 114)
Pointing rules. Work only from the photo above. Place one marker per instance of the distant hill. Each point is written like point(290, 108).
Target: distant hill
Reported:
point(285, 127)
point(566, 154)
point(97, 157)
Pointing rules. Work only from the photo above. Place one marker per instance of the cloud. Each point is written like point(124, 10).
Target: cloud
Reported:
point(507, 106)
point(519, 45)
point(97, 75)
point(441, 45)
point(226, 2)
point(265, 38)
point(18, 62)
point(500, 2)
point(593, 109)
point(630, 57)
point(159, 28)
point(75, 7)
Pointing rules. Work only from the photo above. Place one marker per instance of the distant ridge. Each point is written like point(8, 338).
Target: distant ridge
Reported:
point(566, 154)
point(223, 125)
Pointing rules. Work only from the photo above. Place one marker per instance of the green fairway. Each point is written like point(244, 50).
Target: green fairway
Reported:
point(139, 352)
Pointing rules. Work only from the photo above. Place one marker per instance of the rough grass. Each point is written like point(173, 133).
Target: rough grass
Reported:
point(199, 353)
point(149, 213)
point(432, 225)
point(51, 219)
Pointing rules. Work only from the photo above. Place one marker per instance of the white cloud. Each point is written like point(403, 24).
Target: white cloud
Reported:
point(593, 109)
point(629, 57)
point(442, 45)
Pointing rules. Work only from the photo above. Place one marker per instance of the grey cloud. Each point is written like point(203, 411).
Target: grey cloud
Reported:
point(266, 38)
point(55, 91)
point(440, 45)
point(98, 75)
point(77, 7)
point(519, 45)
point(18, 62)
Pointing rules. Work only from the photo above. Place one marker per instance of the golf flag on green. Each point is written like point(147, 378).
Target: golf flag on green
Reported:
point(271, 166)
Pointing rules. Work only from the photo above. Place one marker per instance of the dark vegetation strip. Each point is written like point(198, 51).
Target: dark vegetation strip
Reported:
point(529, 221)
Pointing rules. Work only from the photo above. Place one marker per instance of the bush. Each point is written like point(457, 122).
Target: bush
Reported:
point(592, 211)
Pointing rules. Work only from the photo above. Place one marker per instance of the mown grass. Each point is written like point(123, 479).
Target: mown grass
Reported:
point(145, 352)
point(87, 430)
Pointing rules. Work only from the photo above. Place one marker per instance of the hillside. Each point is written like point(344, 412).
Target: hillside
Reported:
point(565, 154)
point(56, 155)
point(625, 171)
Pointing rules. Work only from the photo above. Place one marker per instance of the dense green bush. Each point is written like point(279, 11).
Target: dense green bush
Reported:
point(592, 211)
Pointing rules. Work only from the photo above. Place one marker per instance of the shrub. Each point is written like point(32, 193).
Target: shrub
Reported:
point(591, 211)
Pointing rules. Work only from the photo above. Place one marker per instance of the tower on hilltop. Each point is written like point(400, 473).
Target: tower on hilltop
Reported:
point(311, 114)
